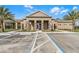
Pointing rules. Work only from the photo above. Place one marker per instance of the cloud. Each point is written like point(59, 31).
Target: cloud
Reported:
point(64, 11)
point(74, 7)
point(57, 10)
point(28, 6)
point(28, 10)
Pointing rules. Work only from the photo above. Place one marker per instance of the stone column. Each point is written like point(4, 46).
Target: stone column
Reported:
point(16, 25)
point(35, 24)
point(42, 25)
point(4, 25)
point(50, 25)
point(24, 25)
point(21, 25)
point(53, 26)
point(27, 26)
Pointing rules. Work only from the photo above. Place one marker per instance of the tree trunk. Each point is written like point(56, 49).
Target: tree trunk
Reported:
point(73, 26)
point(2, 25)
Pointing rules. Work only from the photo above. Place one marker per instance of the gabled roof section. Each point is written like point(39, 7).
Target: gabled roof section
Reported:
point(38, 14)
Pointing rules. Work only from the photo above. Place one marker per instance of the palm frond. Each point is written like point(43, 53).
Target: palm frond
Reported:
point(72, 15)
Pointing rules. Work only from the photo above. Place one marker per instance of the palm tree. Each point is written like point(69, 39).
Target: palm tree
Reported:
point(72, 15)
point(5, 14)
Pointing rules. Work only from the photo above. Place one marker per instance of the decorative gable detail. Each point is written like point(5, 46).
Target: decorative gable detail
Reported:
point(38, 14)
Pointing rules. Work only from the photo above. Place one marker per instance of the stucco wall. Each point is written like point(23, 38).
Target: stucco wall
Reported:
point(65, 26)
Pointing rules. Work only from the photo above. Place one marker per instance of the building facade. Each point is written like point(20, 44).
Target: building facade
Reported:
point(41, 21)
point(38, 21)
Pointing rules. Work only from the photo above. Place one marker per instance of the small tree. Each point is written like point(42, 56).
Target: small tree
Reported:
point(5, 14)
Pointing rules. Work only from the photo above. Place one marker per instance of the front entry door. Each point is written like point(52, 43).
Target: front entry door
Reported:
point(38, 25)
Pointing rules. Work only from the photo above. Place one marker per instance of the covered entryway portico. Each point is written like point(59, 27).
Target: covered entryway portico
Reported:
point(39, 24)
point(39, 21)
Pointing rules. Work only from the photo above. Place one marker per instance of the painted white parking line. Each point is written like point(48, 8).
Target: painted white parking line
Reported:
point(40, 37)
point(59, 49)
point(33, 49)
point(40, 45)
point(34, 43)
point(9, 36)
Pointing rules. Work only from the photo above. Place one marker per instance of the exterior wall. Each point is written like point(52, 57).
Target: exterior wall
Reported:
point(65, 26)
point(62, 25)
point(53, 23)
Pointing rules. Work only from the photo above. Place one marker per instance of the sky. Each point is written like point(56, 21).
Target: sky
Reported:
point(56, 11)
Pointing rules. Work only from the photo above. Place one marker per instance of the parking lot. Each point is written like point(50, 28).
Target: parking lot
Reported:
point(39, 42)
point(16, 43)
point(68, 42)
point(23, 42)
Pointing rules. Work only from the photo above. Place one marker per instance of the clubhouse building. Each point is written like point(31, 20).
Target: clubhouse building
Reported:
point(41, 21)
